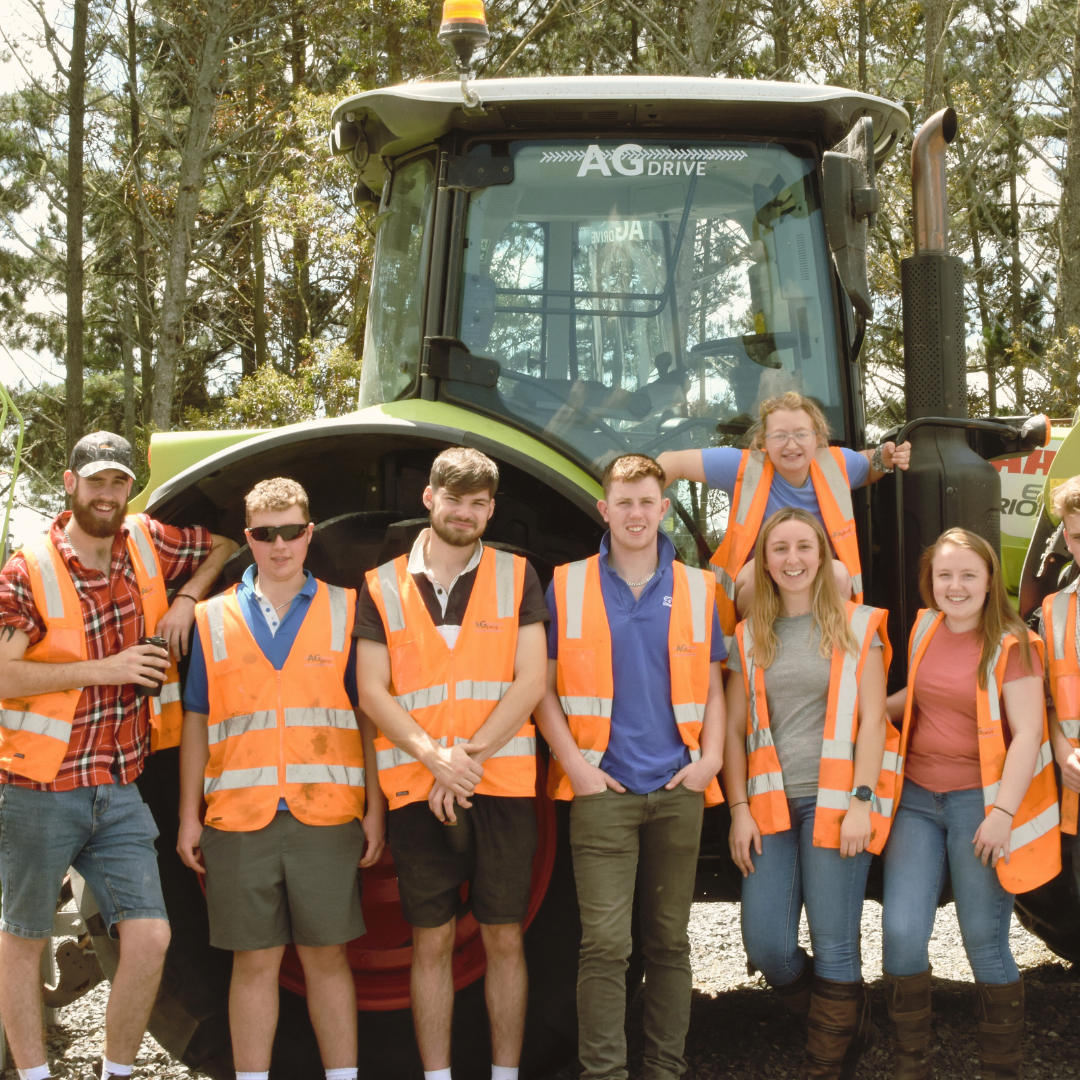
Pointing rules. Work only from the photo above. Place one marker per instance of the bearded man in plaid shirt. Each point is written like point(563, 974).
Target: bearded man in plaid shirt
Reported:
point(75, 732)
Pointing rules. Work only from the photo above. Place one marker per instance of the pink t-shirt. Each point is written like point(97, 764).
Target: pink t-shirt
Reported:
point(943, 747)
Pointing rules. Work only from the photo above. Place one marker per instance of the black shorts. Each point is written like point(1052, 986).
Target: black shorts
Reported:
point(498, 864)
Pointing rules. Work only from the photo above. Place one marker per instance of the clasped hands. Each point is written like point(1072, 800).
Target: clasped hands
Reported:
point(456, 772)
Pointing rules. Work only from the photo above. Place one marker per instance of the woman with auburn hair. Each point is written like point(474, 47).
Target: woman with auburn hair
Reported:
point(974, 736)
point(789, 463)
point(809, 801)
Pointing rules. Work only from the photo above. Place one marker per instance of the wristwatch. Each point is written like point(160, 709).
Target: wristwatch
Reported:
point(878, 462)
point(863, 794)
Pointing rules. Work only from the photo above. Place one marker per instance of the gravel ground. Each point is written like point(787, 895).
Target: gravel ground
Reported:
point(738, 1031)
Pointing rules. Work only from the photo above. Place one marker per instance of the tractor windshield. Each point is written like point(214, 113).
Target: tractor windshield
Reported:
point(646, 296)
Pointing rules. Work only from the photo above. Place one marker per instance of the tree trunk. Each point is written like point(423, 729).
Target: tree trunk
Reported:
point(864, 34)
point(144, 316)
point(213, 45)
point(259, 299)
point(75, 203)
point(703, 19)
point(781, 35)
point(301, 242)
point(934, 64)
point(127, 337)
point(1068, 283)
point(1016, 295)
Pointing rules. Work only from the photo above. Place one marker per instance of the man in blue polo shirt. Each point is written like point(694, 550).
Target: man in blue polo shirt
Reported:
point(270, 737)
point(638, 766)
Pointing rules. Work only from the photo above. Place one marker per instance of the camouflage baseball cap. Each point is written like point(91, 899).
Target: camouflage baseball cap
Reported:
point(99, 451)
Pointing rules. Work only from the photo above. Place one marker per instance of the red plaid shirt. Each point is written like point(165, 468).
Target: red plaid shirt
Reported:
point(112, 723)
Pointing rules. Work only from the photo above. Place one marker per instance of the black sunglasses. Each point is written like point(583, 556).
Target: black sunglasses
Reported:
point(267, 534)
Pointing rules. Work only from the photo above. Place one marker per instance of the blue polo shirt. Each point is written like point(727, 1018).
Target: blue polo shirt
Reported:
point(645, 749)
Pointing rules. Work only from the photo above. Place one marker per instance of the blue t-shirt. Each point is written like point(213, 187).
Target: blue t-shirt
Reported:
point(275, 647)
point(645, 749)
point(722, 470)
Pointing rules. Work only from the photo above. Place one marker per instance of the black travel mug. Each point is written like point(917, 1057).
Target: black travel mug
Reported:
point(152, 691)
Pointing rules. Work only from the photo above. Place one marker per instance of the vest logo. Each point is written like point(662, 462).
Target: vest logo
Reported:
point(315, 658)
point(147, 589)
point(484, 625)
point(684, 648)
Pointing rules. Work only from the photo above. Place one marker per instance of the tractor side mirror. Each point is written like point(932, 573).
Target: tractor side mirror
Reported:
point(851, 203)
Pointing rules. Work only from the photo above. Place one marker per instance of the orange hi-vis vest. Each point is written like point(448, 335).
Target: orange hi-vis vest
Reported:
point(836, 775)
point(451, 692)
point(1035, 846)
point(35, 731)
point(585, 677)
point(288, 734)
point(1062, 639)
point(746, 515)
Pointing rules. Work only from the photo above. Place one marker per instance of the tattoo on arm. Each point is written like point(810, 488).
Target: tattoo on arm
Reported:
point(7, 633)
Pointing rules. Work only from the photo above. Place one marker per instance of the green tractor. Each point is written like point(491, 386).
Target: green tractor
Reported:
point(567, 269)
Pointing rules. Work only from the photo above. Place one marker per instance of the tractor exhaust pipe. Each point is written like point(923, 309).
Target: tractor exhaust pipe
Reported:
point(948, 484)
point(929, 193)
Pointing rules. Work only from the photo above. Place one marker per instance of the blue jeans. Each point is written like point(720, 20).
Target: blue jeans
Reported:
point(106, 833)
point(789, 873)
point(933, 831)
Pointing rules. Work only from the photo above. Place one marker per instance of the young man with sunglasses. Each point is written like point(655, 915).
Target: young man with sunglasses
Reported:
point(450, 664)
point(75, 732)
point(272, 784)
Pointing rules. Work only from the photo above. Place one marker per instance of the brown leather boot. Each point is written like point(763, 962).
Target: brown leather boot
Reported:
point(908, 998)
point(1000, 1011)
point(795, 995)
point(838, 1030)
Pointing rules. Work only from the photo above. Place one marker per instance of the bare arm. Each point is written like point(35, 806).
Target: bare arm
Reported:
point(699, 774)
point(1023, 701)
point(19, 678)
point(585, 779)
point(855, 829)
point(176, 623)
point(194, 754)
point(375, 801)
point(895, 704)
point(892, 457)
point(744, 832)
point(682, 465)
point(451, 766)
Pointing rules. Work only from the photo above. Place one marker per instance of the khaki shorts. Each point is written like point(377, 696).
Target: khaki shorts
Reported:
point(288, 883)
point(498, 865)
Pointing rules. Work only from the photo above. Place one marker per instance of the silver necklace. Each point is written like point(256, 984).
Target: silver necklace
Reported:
point(638, 584)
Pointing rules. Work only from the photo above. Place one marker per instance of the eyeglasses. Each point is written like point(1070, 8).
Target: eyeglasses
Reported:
point(802, 437)
point(267, 534)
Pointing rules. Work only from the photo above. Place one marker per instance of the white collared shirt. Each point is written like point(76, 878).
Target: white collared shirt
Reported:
point(418, 565)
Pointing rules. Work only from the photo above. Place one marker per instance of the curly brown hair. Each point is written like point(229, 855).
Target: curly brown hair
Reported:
point(277, 494)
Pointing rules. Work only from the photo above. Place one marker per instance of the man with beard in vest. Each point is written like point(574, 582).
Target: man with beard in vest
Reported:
point(634, 716)
point(450, 666)
point(75, 731)
point(275, 751)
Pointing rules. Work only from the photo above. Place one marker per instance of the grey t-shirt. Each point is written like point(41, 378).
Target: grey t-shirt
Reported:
point(797, 691)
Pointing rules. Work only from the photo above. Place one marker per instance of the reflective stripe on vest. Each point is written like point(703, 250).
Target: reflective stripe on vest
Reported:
point(836, 775)
point(1035, 847)
point(1061, 630)
point(451, 692)
point(585, 680)
point(828, 473)
point(266, 740)
point(35, 731)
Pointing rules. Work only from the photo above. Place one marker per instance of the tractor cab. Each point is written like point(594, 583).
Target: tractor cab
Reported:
point(616, 264)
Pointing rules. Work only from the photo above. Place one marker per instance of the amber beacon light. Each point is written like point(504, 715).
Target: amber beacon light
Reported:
point(464, 29)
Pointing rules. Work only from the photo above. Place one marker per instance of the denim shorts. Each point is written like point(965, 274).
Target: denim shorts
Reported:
point(105, 832)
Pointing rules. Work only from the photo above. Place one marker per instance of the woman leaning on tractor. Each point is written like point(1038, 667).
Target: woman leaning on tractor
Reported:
point(968, 801)
point(806, 739)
